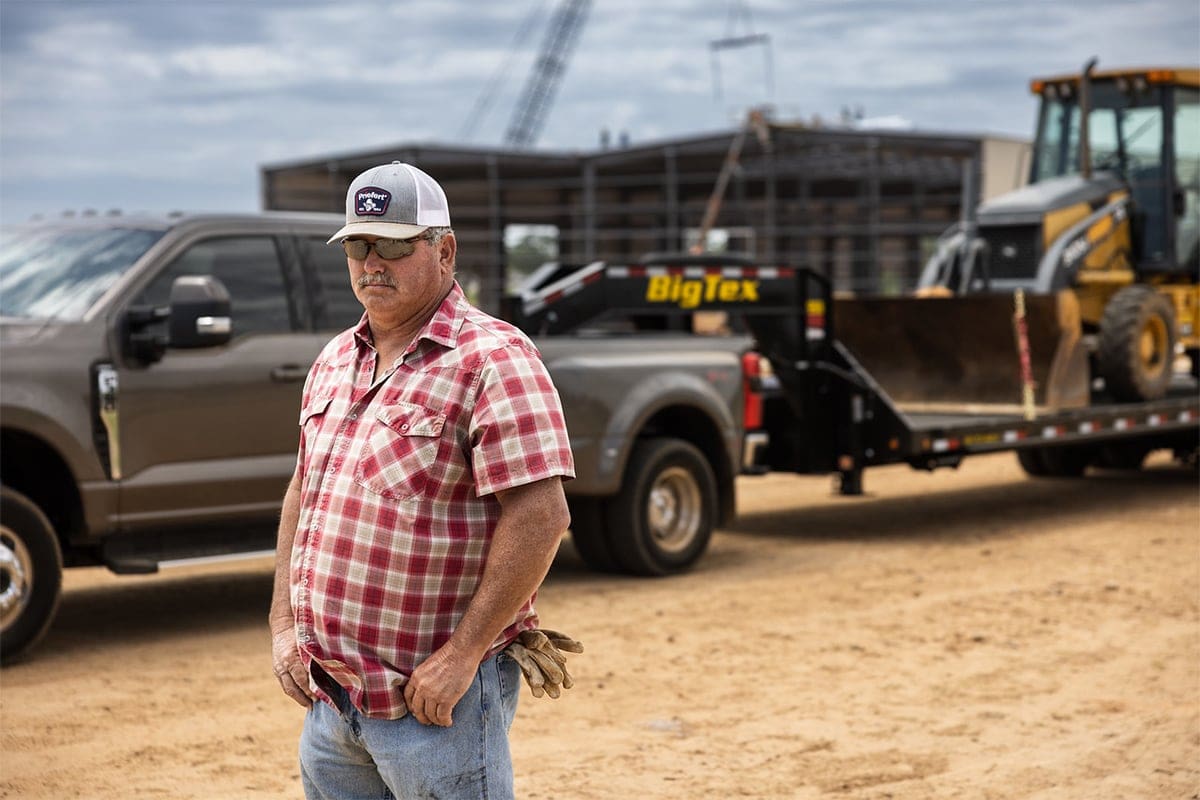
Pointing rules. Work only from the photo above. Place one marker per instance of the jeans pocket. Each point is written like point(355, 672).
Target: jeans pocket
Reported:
point(508, 676)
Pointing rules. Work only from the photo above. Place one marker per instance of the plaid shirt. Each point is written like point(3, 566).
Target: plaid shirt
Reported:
point(398, 499)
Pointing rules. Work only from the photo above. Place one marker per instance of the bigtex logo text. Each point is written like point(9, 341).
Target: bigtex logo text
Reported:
point(691, 292)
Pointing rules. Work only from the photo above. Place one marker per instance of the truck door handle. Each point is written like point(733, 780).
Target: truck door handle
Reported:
point(289, 373)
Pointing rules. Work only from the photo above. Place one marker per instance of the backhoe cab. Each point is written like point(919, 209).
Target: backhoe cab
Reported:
point(1110, 221)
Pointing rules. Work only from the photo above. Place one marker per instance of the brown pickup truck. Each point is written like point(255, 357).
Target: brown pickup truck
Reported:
point(150, 375)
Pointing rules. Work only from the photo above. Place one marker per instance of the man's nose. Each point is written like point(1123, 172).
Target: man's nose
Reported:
point(373, 263)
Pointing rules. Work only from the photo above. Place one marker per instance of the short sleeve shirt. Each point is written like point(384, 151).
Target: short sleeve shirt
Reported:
point(399, 476)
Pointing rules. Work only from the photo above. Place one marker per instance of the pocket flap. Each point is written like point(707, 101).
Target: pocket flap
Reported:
point(315, 406)
point(409, 419)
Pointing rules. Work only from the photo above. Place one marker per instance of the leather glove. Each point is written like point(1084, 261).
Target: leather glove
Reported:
point(539, 653)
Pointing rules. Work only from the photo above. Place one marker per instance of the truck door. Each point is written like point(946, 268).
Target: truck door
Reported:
point(212, 432)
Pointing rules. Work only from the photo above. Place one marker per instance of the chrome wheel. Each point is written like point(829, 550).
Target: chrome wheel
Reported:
point(30, 573)
point(16, 572)
point(662, 519)
point(675, 509)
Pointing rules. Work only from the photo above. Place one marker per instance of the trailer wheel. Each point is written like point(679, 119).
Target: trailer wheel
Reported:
point(1122, 455)
point(589, 534)
point(30, 573)
point(662, 519)
point(1136, 349)
point(1032, 462)
point(1063, 461)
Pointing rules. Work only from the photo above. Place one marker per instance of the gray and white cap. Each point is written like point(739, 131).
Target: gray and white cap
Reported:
point(394, 200)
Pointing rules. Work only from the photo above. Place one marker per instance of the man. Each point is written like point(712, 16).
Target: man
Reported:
point(425, 510)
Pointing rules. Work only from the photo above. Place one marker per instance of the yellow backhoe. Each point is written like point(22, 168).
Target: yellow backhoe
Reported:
point(1103, 245)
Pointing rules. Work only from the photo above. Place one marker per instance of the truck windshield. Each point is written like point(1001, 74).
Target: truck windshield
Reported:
point(57, 273)
point(1125, 131)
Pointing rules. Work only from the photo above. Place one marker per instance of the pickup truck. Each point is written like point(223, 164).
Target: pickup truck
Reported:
point(150, 378)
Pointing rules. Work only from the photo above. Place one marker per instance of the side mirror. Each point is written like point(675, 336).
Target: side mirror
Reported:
point(199, 312)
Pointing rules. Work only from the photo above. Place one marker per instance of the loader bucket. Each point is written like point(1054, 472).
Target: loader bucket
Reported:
point(961, 354)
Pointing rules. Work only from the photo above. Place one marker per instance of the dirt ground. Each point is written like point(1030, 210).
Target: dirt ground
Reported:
point(969, 635)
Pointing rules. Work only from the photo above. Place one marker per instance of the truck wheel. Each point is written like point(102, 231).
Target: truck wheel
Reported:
point(1136, 350)
point(589, 534)
point(30, 573)
point(662, 519)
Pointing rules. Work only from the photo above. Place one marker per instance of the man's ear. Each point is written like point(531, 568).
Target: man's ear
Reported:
point(447, 252)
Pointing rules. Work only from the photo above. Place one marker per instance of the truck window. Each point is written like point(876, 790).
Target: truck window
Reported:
point(335, 307)
point(250, 269)
point(1187, 176)
point(58, 273)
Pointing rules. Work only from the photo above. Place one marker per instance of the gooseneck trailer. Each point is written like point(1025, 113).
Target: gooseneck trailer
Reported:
point(841, 384)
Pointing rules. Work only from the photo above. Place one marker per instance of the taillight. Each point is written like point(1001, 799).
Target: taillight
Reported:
point(815, 314)
point(752, 404)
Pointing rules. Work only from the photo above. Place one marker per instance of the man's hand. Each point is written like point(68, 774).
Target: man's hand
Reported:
point(289, 669)
point(539, 655)
point(437, 684)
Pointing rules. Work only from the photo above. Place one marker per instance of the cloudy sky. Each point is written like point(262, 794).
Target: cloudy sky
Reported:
point(157, 105)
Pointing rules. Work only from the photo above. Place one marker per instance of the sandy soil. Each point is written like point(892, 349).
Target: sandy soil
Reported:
point(969, 635)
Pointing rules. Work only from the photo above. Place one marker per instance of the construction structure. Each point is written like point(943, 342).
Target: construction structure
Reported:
point(863, 207)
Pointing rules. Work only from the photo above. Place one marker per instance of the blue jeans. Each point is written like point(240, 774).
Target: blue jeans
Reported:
point(345, 755)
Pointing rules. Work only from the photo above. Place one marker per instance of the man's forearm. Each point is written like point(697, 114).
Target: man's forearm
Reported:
point(288, 666)
point(532, 522)
point(289, 519)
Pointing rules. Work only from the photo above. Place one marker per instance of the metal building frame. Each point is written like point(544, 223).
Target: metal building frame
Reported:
point(861, 206)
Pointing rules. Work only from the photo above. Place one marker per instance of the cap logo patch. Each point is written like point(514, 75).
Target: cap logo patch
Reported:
point(371, 201)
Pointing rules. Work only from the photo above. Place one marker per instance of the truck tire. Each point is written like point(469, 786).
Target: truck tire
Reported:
point(30, 573)
point(662, 519)
point(589, 534)
point(1136, 350)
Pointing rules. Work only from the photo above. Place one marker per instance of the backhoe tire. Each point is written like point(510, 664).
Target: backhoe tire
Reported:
point(589, 533)
point(30, 574)
point(1136, 350)
point(662, 519)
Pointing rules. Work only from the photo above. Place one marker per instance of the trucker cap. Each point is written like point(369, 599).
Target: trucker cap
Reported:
point(394, 200)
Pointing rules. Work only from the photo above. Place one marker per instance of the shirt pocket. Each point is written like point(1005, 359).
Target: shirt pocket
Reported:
point(401, 451)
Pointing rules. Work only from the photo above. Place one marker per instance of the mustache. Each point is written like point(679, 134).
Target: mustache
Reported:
point(375, 279)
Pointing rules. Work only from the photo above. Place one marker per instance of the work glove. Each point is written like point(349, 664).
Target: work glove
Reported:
point(539, 653)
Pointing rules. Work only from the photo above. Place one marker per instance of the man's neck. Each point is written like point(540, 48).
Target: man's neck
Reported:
point(392, 338)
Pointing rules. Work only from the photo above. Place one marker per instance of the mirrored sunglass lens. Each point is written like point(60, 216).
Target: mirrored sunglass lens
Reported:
point(394, 248)
point(356, 248)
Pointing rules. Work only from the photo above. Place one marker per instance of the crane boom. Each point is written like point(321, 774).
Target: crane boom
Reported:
point(538, 92)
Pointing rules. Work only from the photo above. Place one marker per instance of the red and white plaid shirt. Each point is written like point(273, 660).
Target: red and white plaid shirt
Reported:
point(398, 499)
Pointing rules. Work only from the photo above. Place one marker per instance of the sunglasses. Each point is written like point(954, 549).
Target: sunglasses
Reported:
point(386, 249)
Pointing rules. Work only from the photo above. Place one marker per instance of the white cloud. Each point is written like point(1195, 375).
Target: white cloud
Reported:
point(193, 96)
